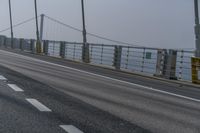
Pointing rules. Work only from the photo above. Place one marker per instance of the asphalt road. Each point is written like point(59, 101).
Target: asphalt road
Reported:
point(154, 105)
point(18, 115)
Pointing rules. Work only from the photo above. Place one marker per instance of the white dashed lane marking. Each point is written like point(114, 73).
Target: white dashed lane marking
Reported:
point(42, 107)
point(2, 77)
point(15, 87)
point(38, 105)
point(70, 129)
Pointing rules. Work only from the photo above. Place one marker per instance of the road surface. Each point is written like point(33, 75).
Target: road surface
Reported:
point(155, 105)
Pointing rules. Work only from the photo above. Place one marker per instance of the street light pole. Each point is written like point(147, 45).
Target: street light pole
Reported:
point(197, 28)
point(38, 43)
point(196, 12)
point(11, 24)
point(85, 52)
point(83, 17)
point(41, 27)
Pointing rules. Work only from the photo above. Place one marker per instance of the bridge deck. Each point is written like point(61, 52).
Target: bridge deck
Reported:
point(156, 105)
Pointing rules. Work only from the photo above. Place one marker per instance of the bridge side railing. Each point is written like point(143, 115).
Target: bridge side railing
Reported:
point(171, 64)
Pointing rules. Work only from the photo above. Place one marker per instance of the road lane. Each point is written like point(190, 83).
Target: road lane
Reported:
point(66, 110)
point(156, 111)
point(17, 116)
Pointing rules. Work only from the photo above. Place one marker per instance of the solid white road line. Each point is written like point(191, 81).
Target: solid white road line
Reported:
point(15, 87)
point(93, 74)
point(38, 105)
point(2, 77)
point(70, 129)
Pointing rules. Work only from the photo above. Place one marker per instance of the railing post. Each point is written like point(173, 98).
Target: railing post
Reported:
point(5, 42)
point(170, 66)
point(45, 47)
point(54, 48)
point(127, 58)
point(2, 39)
point(143, 58)
point(160, 65)
point(117, 57)
point(85, 53)
point(32, 46)
point(74, 51)
point(15, 43)
point(12, 43)
point(181, 65)
point(91, 52)
point(62, 49)
point(21, 44)
point(102, 54)
point(66, 50)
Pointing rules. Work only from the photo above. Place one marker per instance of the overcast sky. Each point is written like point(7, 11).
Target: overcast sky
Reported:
point(152, 23)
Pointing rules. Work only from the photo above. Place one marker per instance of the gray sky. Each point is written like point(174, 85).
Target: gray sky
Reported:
point(152, 23)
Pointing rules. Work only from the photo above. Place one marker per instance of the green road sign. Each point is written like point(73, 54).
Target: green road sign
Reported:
point(148, 55)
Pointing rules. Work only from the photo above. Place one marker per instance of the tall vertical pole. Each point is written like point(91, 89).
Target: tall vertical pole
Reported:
point(85, 54)
point(41, 27)
point(38, 44)
point(196, 10)
point(11, 24)
point(83, 18)
point(197, 28)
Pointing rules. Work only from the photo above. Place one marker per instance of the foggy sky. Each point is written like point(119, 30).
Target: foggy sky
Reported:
point(152, 23)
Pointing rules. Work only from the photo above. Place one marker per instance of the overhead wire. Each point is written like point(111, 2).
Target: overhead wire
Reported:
point(71, 27)
point(91, 34)
point(16, 25)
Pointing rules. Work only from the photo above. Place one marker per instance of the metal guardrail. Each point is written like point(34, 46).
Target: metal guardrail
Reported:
point(183, 64)
point(139, 59)
point(102, 54)
point(171, 64)
point(22, 44)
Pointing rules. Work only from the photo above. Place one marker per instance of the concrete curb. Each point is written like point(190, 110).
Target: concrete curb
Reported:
point(183, 82)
